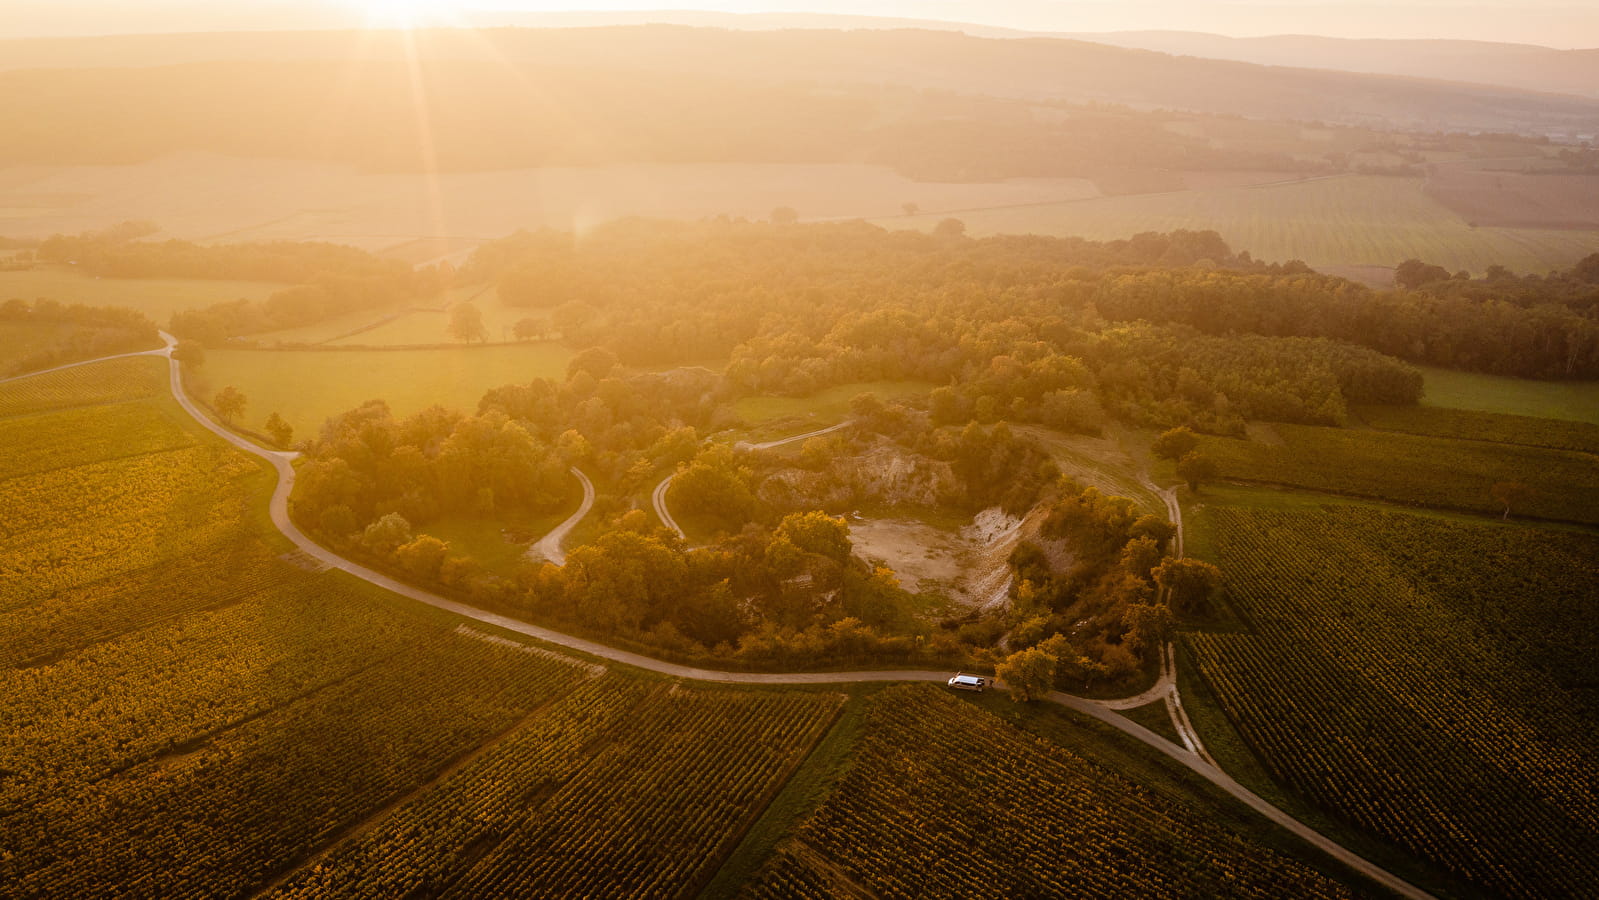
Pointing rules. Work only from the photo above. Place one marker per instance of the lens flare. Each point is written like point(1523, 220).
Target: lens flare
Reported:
point(402, 13)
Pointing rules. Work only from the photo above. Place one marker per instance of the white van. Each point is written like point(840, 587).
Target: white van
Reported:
point(968, 683)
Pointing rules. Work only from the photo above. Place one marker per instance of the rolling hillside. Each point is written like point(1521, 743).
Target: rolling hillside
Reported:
point(1032, 68)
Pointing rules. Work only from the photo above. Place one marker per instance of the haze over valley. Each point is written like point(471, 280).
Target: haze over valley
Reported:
point(902, 449)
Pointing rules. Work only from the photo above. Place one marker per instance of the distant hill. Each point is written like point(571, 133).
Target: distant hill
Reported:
point(1512, 65)
point(1033, 69)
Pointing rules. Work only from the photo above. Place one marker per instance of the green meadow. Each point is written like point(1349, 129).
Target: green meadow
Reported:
point(157, 298)
point(1574, 400)
point(308, 386)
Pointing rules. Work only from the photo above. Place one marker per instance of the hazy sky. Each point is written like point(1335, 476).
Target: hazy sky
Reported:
point(1556, 23)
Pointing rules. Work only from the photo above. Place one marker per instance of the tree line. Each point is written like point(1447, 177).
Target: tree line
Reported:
point(76, 332)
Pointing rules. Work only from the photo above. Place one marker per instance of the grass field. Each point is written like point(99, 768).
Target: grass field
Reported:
point(404, 326)
point(1574, 400)
point(279, 199)
point(308, 386)
point(825, 407)
point(1439, 421)
point(430, 326)
point(1425, 679)
point(157, 298)
point(499, 544)
point(1343, 221)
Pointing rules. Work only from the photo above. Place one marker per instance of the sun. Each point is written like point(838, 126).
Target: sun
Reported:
point(403, 13)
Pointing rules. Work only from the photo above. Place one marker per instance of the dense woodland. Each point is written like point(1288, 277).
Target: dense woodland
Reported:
point(659, 293)
point(800, 307)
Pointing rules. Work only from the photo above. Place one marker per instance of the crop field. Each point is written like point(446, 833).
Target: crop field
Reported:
point(60, 440)
point(1437, 421)
point(1429, 471)
point(1427, 680)
point(918, 814)
point(167, 677)
point(1489, 196)
point(1574, 400)
point(308, 386)
point(157, 298)
point(1352, 220)
point(107, 382)
point(615, 791)
point(232, 797)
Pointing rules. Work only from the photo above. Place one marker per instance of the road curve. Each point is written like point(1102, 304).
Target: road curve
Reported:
point(1244, 795)
point(658, 496)
point(279, 508)
point(549, 546)
point(658, 499)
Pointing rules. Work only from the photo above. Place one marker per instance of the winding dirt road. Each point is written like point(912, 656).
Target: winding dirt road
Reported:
point(1165, 687)
point(549, 546)
point(1187, 757)
point(658, 500)
point(658, 496)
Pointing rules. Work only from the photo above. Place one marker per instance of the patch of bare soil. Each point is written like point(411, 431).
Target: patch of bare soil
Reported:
point(919, 554)
point(969, 566)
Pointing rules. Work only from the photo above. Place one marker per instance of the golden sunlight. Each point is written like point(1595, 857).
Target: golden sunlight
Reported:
point(403, 13)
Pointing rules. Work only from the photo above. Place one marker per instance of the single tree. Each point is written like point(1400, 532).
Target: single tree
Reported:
point(597, 361)
point(1413, 273)
point(1196, 468)
point(229, 402)
point(950, 228)
point(910, 209)
point(1188, 583)
point(281, 432)
point(387, 533)
point(1028, 674)
point(422, 556)
point(1148, 625)
point(191, 353)
point(1175, 443)
point(817, 532)
point(1510, 494)
point(466, 323)
point(527, 329)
